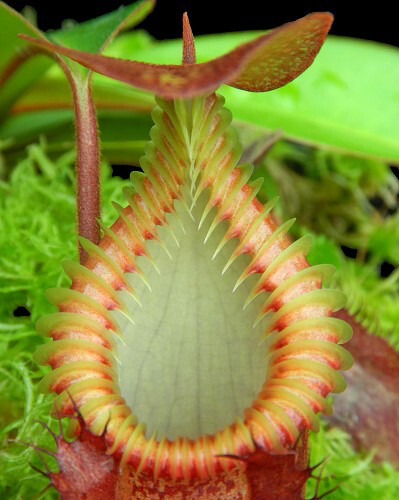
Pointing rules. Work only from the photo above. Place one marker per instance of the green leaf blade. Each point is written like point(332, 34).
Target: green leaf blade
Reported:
point(93, 35)
point(19, 70)
point(14, 79)
point(261, 65)
point(348, 100)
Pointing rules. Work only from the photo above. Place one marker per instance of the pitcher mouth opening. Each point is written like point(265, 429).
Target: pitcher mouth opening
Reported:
point(193, 381)
point(186, 383)
point(193, 361)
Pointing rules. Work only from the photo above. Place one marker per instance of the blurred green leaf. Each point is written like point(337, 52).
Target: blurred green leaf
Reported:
point(93, 35)
point(170, 51)
point(323, 251)
point(13, 49)
point(24, 127)
point(264, 64)
point(384, 239)
point(347, 100)
point(53, 91)
point(123, 134)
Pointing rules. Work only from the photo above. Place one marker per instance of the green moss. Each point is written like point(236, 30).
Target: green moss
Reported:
point(337, 195)
point(357, 476)
point(335, 198)
point(37, 232)
point(371, 299)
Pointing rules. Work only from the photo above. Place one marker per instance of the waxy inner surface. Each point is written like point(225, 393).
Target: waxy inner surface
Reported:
point(192, 362)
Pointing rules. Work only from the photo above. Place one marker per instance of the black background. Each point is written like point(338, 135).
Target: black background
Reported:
point(374, 22)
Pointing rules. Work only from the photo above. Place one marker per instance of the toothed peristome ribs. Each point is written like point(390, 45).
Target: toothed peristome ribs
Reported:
point(194, 149)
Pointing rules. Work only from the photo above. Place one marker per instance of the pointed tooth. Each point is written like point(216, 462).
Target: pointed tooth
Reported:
point(206, 211)
point(118, 207)
point(252, 294)
point(262, 341)
point(128, 193)
point(185, 194)
point(161, 242)
point(167, 251)
point(194, 201)
point(144, 280)
point(257, 184)
point(145, 454)
point(129, 317)
point(185, 206)
point(180, 222)
point(151, 259)
point(243, 277)
point(184, 190)
point(195, 174)
point(197, 194)
point(191, 173)
point(172, 233)
point(129, 289)
point(260, 316)
point(155, 267)
point(158, 461)
point(247, 170)
point(134, 297)
point(211, 229)
point(220, 246)
point(230, 261)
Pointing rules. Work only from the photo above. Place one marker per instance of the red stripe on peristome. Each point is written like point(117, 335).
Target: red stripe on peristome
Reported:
point(299, 418)
point(319, 383)
point(283, 434)
point(120, 228)
point(309, 334)
point(63, 357)
point(74, 306)
point(65, 381)
point(82, 397)
point(94, 291)
point(327, 358)
point(79, 333)
point(103, 269)
point(306, 311)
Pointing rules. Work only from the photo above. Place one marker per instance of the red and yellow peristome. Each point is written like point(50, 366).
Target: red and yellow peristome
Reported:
point(190, 173)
